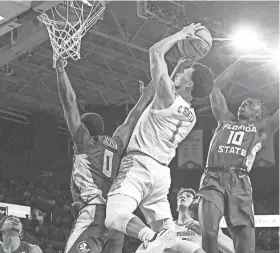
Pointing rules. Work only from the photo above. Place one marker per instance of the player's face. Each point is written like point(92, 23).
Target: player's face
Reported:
point(249, 109)
point(12, 226)
point(184, 200)
point(183, 81)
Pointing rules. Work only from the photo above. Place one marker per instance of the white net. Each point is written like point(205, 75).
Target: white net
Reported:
point(67, 23)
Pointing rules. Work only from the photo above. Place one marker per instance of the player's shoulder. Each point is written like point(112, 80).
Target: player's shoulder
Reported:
point(115, 143)
point(34, 249)
point(194, 226)
point(195, 223)
point(262, 123)
point(230, 119)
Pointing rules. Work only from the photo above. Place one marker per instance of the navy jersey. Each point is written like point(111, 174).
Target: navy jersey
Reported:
point(234, 144)
point(24, 247)
point(95, 166)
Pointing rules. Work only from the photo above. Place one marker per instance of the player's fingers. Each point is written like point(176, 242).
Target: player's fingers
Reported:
point(199, 27)
point(196, 37)
point(141, 86)
point(64, 63)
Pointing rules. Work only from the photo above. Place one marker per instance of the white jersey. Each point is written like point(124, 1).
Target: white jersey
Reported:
point(189, 231)
point(158, 132)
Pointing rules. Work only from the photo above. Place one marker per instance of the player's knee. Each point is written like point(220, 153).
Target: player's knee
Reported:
point(117, 217)
point(210, 233)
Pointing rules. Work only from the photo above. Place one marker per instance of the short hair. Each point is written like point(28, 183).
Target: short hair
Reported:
point(2, 221)
point(189, 190)
point(264, 112)
point(203, 80)
point(94, 123)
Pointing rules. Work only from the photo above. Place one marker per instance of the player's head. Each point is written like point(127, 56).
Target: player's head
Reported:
point(11, 225)
point(193, 81)
point(94, 123)
point(184, 198)
point(251, 109)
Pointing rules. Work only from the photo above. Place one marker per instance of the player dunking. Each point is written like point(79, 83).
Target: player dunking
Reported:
point(11, 228)
point(225, 188)
point(96, 163)
point(144, 177)
point(188, 229)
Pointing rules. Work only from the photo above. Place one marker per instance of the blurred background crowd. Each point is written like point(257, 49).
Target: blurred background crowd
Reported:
point(50, 222)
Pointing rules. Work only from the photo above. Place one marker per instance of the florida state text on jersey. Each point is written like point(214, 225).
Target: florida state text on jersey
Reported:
point(234, 144)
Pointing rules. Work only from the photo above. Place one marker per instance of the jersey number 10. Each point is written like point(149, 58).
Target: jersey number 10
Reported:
point(107, 162)
point(235, 138)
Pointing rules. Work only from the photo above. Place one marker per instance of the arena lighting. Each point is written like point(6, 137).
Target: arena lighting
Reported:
point(268, 55)
point(273, 57)
point(247, 39)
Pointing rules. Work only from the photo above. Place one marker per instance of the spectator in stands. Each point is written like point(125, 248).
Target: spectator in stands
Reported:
point(11, 228)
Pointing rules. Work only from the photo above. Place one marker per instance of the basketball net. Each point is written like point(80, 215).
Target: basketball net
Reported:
point(67, 23)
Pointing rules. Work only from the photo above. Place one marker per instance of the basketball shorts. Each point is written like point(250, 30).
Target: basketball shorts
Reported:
point(147, 181)
point(183, 246)
point(90, 235)
point(231, 193)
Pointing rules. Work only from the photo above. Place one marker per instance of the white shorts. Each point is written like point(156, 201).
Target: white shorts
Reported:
point(183, 246)
point(148, 182)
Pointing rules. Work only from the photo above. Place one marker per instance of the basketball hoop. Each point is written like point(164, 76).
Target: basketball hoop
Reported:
point(67, 23)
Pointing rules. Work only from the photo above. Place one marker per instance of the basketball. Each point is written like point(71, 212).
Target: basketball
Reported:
point(196, 48)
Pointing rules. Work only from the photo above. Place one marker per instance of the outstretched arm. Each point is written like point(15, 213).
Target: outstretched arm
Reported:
point(159, 71)
point(125, 130)
point(67, 98)
point(225, 243)
point(217, 99)
point(271, 124)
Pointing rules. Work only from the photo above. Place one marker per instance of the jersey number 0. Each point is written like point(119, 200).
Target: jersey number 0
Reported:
point(107, 162)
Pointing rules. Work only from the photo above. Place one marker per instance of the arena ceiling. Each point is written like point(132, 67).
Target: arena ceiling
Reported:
point(115, 52)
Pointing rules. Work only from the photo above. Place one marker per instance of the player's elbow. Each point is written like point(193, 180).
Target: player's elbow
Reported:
point(155, 53)
point(153, 50)
point(215, 91)
point(216, 97)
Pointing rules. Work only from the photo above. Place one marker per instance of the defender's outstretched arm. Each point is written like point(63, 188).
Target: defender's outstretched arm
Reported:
point(218, 102)
point(67, 98)
point(125, 130)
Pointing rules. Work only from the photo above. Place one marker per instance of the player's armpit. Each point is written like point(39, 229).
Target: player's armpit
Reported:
point(81, 136)
point(271, 124)
point(219, 106)
point(225, 243)
point(35, 249)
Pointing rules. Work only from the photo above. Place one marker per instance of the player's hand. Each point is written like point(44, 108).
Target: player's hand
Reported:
point(186, 61)
point(60, 64)
point(190, 30)
point(148, 91)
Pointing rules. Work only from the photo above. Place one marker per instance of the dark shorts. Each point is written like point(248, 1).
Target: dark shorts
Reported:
point(90, 235)
point(231, 193)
